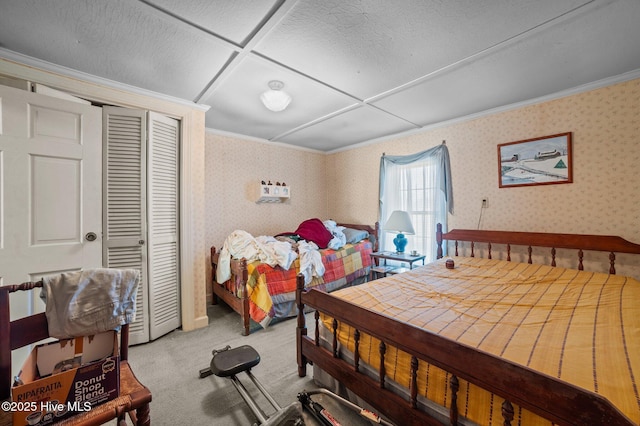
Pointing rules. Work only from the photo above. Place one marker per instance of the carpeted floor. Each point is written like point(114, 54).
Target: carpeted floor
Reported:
point(170, 365)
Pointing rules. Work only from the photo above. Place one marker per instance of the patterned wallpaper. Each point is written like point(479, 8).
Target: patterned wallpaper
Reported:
point(604, 197)
point(234, 169)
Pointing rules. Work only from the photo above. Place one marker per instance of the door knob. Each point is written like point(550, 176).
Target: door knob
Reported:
point(91, 236)
point(141, 242)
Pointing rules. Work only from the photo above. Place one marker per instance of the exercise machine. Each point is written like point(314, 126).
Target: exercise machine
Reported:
point(229, 363)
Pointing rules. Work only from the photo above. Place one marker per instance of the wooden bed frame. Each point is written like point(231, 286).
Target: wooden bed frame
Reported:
point(239, 277)
point(546, 396)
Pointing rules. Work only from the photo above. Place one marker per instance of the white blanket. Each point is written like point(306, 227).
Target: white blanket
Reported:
point(339, 239)
point(240, 244)
point(310, 261)
point(274, 252)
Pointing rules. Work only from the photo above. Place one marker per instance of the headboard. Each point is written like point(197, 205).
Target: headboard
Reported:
point(606, 243)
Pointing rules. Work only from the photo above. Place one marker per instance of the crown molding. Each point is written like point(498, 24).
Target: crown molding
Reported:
point(29, 61)
point(261, 140)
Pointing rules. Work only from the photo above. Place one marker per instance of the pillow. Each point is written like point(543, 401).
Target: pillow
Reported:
point(355, 235)
point(314, 230)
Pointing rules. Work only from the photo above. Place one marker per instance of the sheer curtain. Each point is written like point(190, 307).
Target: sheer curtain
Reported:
point(421, 185)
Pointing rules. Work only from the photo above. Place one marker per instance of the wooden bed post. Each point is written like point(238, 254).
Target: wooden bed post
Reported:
point(301, 329)
point(439, 253)
point(214, 265)
point(244, 296)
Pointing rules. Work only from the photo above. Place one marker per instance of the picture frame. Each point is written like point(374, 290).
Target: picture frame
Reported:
point(546, 160)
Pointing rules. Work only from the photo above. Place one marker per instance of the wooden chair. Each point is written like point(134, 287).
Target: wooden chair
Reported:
point(134, 397)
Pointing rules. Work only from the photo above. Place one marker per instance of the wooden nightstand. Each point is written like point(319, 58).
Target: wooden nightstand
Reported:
point(380, 271)
point(383, 269)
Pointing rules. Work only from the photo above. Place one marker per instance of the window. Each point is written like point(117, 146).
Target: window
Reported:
point(421, 185)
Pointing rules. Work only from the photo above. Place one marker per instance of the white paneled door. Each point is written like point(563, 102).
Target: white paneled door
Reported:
point(51, 196)
point(50, 189)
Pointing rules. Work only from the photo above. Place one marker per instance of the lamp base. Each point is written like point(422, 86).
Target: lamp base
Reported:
point(401, 242)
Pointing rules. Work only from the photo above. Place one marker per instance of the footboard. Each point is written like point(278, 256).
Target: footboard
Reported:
point(234, 291)
point(543, 395)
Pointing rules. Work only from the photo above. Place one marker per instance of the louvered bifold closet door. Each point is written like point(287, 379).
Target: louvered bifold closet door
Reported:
point(164, 284)
point(124, 203)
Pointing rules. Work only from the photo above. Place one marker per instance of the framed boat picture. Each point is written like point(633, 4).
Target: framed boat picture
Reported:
point(540, 161)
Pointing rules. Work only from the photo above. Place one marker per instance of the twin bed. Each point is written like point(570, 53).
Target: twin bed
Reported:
point(262, 294)
point(497, 339)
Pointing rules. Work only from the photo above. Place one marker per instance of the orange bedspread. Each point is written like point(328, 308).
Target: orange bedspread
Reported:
point(578, 326)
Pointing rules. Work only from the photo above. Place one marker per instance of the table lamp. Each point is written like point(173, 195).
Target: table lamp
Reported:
point(400, 223)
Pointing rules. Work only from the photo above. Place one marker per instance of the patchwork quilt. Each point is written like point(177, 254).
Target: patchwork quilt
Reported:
point(272, 290)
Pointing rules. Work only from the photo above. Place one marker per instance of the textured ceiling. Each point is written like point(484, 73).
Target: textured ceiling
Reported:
point(357, 70)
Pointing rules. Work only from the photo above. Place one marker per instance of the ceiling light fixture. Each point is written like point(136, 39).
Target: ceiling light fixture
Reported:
point(275, 99)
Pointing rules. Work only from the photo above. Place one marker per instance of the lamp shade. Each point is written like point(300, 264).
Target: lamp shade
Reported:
point(275, 98)
point(400, 223)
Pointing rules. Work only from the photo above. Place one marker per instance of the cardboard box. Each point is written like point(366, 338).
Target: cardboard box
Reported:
point(66, 377)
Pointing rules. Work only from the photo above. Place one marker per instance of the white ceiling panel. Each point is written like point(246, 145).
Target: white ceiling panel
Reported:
point(360, 124)
point(358, 46)
point(119, 40)
point(358, 70)
point(236, 105)
point(556, 58)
